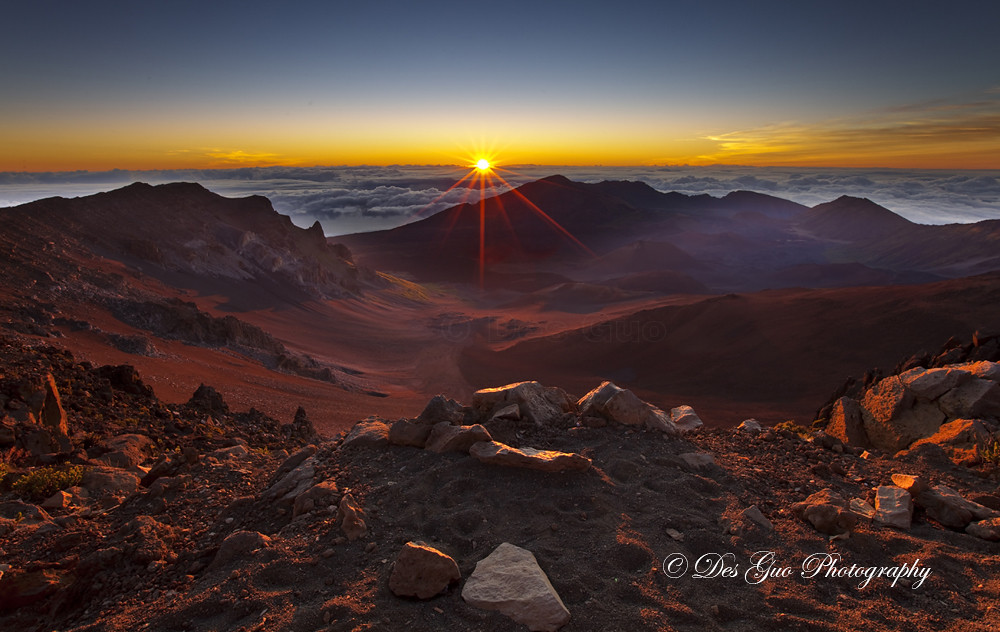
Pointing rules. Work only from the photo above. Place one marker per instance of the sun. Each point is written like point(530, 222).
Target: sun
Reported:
point(483, 165)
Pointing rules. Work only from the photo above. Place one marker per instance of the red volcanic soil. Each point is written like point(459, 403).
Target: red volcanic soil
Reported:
point(773, 355)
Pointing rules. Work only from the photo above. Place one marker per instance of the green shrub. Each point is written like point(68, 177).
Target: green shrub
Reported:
point(45, 481)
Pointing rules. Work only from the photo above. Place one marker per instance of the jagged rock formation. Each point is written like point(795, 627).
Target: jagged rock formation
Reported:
point(957, 406)
point(184, 228)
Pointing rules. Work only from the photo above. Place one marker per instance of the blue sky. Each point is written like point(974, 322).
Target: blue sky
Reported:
point(155, 85)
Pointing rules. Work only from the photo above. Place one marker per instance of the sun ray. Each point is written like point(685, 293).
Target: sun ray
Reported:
point(453, 219)
point(484, 174)
point(420, 212)
point(547, 218)
point(482, 230)
point(503, 214)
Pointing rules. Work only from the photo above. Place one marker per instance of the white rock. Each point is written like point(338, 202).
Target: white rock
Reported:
point(893, 506)
point(751, 426)
point(685, 418)
point(510, 581)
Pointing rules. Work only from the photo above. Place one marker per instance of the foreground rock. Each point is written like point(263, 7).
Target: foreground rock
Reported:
point(510, 581)
point(827, 512)
point(988, 529)
point(405, 432)
point(948, 507)
point(445, 437)
point(352, 518)
point(685, 419)
point(539, 404)
point(368, 434)
point(422, 571)
point(893, 506)
point(956, 406)
point(495, 453)
point(624, 407)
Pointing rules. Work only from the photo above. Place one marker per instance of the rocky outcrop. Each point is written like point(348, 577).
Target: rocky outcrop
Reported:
point(52, 414)
point(510, 581)
point(126, 451)
point(322, 495)
point(847, 424)
point(208, 400)
point(921, 405)
point(238, 546)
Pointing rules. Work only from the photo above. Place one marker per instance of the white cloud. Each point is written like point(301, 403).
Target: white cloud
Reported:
point(351, 199)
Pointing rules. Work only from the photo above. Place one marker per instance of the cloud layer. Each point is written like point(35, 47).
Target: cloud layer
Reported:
point(356, 199)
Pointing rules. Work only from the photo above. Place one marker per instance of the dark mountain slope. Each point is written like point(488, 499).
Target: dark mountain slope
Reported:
point(779, 351)
point(852, 219)
point(184, 228)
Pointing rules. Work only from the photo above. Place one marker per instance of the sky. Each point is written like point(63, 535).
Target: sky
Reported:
point(175, 85)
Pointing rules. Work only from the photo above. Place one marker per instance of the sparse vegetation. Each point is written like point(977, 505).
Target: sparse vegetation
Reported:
point(990, 452)
point(791, 426)
point(45, 481)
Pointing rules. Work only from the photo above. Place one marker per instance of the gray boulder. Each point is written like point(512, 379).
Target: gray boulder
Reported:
point(510, 581)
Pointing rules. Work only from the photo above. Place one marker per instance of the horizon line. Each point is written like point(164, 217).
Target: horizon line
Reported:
point(455, 165)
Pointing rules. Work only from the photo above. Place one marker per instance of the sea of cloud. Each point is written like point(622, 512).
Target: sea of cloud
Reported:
point(362, 198)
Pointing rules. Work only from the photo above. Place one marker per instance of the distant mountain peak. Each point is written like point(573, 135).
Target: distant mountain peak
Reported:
point(557, 179)
point(852, 218)
point(182, 227)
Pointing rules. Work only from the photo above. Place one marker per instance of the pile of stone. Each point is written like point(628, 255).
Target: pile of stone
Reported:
point(830, 513)
point(447, 426)
point(956, 407)
point(508, 580)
